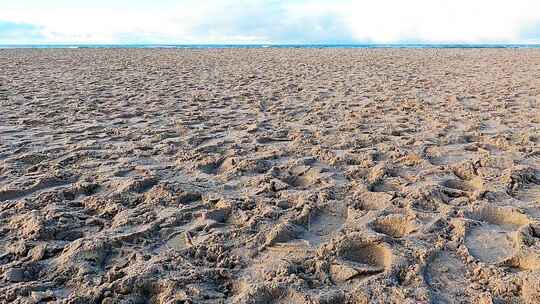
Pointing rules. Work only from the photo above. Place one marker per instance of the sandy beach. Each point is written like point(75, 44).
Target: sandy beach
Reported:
point(270, 176)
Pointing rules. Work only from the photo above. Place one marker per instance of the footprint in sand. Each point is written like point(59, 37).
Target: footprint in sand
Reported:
point(41, 185)
point(306, 176)
point(490, 243)
point(313, 228)
point(211, 167)
point(456, 187)
point(270, 295)
point(525, 185)
point(278, 260)
point(179, 241)
point(532, 159)
point(324, 221)
point(528, 193)
point(506, 217)
point(493, 240)
point(458, 184)
point(444, 274)
point(290, 297)
point(492, 127)
point(448, 155)
point(360, 259)
point(369, 201)
point(528, 260)
point(394, 225)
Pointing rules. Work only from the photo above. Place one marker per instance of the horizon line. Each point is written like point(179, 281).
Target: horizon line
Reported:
point(270, 43)
point(266, 44)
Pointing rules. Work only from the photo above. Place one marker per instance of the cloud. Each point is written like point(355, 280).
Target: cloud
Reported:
point(531, 34)
point(12, 32)
point(267, 23)
point(436, 21)
point(272, 21)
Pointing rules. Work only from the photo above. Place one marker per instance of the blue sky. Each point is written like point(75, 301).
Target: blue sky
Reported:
point(269, 21)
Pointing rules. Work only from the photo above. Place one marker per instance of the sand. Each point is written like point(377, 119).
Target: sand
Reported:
point(270, 176)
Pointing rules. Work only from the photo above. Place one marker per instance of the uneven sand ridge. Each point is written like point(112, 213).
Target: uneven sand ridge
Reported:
point(270, 176)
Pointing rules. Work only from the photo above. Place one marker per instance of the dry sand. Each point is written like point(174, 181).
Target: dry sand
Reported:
point(270, 176)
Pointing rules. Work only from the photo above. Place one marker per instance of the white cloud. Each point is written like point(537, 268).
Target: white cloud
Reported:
point(432, 20)
point(267, 21)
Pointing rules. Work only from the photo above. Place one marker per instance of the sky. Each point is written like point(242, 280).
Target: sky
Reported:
point(268, 21)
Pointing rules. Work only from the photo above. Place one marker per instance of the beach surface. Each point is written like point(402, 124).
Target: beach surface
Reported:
point(270, 176)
